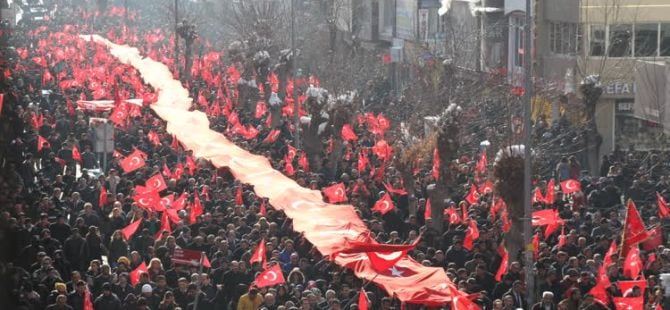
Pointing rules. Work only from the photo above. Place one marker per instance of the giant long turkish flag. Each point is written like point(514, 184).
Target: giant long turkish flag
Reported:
point(324, 225)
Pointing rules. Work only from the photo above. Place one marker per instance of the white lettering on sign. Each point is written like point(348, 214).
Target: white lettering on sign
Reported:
point(619, 88)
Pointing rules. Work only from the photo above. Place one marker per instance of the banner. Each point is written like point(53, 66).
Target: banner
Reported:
point(103, 105)
point(326, 226)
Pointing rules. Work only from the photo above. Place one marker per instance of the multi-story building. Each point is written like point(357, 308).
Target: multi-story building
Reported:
point(627, 43)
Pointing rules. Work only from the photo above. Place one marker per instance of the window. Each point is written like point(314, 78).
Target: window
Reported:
point(620, 40)
point(597, 40)
point(646, 40)
point(563, 37)
point(665, 40)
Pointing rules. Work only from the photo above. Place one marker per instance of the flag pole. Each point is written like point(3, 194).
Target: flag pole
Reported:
point(623, 233)
point(359, 292)
point(197, 293)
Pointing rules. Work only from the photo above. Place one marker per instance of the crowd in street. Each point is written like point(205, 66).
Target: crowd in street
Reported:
point(65, 211)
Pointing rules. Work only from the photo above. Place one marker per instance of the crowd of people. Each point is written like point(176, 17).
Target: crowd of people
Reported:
point(64, 217)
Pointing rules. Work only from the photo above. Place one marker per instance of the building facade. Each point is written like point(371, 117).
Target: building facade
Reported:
point(627, 43)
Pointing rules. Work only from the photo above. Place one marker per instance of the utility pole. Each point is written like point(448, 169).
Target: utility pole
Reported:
point(527, 162)
point(294, 93)
point(176, 38)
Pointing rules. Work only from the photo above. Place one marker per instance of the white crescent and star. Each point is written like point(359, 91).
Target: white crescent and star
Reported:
point(395, 272)
point(274, 276)
point(389, 256)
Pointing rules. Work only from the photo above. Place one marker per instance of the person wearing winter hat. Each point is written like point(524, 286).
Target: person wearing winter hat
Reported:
point(148, 294)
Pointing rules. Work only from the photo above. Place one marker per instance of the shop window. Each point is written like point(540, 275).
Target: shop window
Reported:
point(646, 40)
point(597, 40)
point(620, 40)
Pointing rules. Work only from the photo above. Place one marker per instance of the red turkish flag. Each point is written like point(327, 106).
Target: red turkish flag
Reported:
point(454, 217)
point(261, 109)
point(148, 200)
point(133, 162)
point(464, 302)
point(288, 167)
point(633, 263)
point(655, 239)
point(135, 274)
point(570, 186)
point(390, 189)
point(196, 209)
point(119, 115)
point(335, 193)
point(624, 286)
point(362, 300)
point(88, 303)
point(272, 136)
point(502, 251)
point(599, 291)
point(60, 161)
point(607, 260)
point(269, 277)
point(537, 196)
point(550, 196)
point(473, 196)
point(41, 142)
point(384, 204)
point(130, 230)
point(259, 255)
point(153, 138)
point(102, 199)
point(190, 164)
point(175, 143)
point(546, 217)
point(562, 239)
point(290, 152)
point(486, 188)
point(381, 256)
point(156, 183)
point(166, 171)
point(471, 233)
point(427, 212)
point(239, 198)
point(165, 225)
point(165, 202)
point(629, 303)
point(263, 208)
point(382, 150)
point(117, 154)
point(634, 229)
point(663, 211)
point(382, 123)
point(363, 161)
point(303, 161)
point(75, 153)
point(178, 171)
point(180, 203)
point(436, 164)
point(37, 121)
point(482, 163)
point(348, 133)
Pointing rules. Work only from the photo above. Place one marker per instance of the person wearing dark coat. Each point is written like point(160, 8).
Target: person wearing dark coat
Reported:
point(92, 247)
point(107, 300)
point(72, 249)
point(76, 298)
